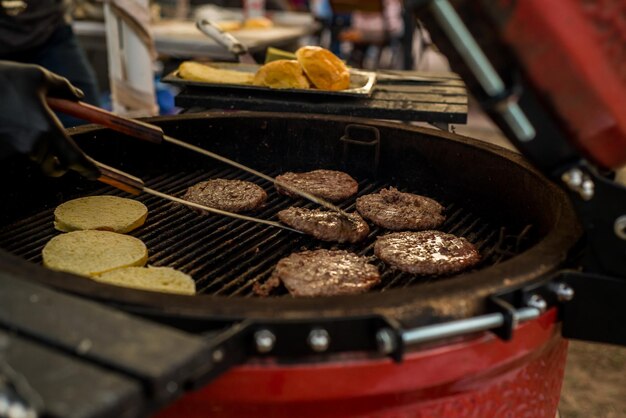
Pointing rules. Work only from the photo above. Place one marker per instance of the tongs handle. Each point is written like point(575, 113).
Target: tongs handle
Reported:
point(225, 39)
point(131, 127)
point(119, 179)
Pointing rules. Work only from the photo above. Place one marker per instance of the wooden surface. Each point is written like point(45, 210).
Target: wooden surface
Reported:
point(67, 385)
point(137, 348)
point(440, 99)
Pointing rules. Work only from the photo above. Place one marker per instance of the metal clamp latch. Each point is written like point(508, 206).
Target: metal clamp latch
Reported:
point(362, 136)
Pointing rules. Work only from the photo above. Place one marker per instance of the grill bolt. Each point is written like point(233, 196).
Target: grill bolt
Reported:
point(264, 340)
point(218, 355)
point(579, 182)
point(319, 340)
point(620, 227)
point(385, 341)
point(537, 302)
point(15, 409)
point(564, 293)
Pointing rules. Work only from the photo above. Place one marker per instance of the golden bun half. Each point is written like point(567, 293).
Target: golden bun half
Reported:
point(281, 74)
point(228, 25)
point(325, 70)
point(258, 23)
point(194, 71)
point(91, 253)
point(105, 213)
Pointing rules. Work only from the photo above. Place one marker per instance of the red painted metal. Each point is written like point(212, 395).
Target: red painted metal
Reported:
point(479, 377)
point(575, 53)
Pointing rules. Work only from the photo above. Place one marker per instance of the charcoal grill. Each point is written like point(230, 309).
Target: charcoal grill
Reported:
point(523, 225)
point(332, 356)
point(227, 257)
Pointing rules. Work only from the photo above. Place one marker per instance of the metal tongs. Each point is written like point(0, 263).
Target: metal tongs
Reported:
point(225, 39)
point(152, 133)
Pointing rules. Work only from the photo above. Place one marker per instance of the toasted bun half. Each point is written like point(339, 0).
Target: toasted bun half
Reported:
point(194, 71)
point(91, 253)
point(325, 70)
point(105, 213)
point(154, 279)
point(281, 74)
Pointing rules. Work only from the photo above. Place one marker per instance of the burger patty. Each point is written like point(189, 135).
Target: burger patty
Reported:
point(228, 195)
point(328, 184)
point(325, 225)
point(322, 273)
point(426, 252)
point(395, 210)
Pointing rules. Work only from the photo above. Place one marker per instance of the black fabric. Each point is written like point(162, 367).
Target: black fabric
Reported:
point(30, 28)
point(62, 55)
point(29, 126)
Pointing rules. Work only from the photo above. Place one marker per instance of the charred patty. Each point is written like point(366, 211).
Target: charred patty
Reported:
point(328, 184)
point(426, 252)
point(323, 273)
point(228, 195)
point(325, 225)
point(395, 210)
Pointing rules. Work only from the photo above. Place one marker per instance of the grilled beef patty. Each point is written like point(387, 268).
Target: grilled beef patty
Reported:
point(328, 184)
point(399, 211)
point(322, 273)
point(325, 225)
point(228, 195)
point(426, 252)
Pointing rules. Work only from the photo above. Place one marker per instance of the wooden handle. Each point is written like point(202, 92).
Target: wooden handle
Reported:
point(119, 179)
point(131, 127)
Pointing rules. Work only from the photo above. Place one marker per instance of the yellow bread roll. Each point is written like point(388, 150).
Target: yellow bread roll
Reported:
point(194, 71)
point(228, 25)
point(105, 213)
point(258, 23)
point(90, 253)
point(155, 279)
point(281, 74)
point(325, 70)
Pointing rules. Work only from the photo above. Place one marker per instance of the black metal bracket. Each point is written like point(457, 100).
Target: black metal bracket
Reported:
point(597, 312)
point(600, 204)
point(325, 336)
point(298, 338)
point(590, 306)
point(362, 136)
point(541, 295)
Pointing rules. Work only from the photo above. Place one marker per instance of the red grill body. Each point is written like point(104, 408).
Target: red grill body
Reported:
point(480, 377)
point(574, 52)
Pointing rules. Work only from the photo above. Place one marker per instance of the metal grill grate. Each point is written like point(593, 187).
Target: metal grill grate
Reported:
point(226, 257)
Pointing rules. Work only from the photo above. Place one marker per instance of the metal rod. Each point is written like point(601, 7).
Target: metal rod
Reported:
point(517, 121)
point(218, 211)
point(482, 69)
point(235, 164)
point(526, 314)
point(467, 46)
point(464, 326)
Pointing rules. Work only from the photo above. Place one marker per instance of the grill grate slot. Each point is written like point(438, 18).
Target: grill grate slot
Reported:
point(227, 256)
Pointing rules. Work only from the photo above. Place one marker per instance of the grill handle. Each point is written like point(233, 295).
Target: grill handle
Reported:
point(85, 111)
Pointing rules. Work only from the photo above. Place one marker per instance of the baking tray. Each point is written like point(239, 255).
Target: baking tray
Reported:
point(361, 82)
